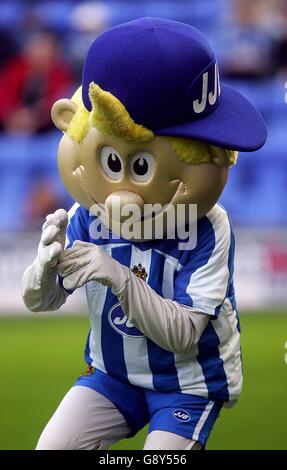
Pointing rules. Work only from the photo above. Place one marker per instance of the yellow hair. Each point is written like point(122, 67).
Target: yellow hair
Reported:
point(195, 152)
point(79, 125)
point(111, 117)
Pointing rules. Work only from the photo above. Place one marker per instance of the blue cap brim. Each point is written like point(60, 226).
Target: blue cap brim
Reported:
point(235, 124)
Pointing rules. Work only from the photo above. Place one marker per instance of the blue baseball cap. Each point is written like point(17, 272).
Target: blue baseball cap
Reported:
point(166, 75)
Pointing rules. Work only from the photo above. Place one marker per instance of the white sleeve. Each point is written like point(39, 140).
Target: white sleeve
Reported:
point(41, 290)
point(172, 326)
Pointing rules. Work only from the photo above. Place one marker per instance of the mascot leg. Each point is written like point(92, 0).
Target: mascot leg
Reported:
point(84, 420)
point(164, 440)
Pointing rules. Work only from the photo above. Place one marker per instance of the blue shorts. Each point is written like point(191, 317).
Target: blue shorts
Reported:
point(190, 416)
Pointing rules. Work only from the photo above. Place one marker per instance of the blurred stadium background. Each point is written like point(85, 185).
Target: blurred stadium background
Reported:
point(42, 45)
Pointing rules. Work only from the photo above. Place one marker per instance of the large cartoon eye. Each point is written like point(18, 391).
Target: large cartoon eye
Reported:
point(141, 166)
point(111, 163)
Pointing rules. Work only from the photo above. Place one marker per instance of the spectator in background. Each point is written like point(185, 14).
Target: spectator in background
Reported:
point(88, 19)
point(252, 50)
point(274, 20)
point(44, 196)
point(30, 84)
point(8, 47)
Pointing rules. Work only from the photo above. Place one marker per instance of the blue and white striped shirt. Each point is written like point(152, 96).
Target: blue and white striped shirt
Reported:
point(201, 278)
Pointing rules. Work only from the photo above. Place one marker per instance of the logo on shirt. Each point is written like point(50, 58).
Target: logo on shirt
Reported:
point(140, 271)
point(121, 324)
point(181, 415)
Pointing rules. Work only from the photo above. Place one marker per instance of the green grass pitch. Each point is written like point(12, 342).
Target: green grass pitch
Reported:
point(40, 357)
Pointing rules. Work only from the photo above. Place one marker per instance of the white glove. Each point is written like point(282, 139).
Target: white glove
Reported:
point(40, 288)
point(86, 262)
point(52, 241)
point(172, 326)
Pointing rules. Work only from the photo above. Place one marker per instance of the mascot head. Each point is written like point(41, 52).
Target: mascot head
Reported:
point(152, 125)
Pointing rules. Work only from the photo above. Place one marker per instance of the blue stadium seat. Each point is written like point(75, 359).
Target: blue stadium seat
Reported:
point(20, 159)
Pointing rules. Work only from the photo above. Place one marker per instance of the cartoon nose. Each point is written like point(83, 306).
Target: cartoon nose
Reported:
point(121, 203)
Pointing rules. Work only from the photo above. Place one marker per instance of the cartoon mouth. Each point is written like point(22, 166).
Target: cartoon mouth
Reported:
point(181, 189)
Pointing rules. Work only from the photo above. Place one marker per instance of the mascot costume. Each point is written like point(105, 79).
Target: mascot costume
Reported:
point(150, 127)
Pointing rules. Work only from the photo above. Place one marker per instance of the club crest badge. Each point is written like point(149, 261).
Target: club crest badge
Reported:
point(140, 271)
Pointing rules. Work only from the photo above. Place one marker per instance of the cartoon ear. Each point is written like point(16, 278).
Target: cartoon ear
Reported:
point(62, 113)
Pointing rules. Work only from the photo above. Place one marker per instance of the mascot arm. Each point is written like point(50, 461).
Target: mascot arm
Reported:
point(42, 293)
point(171, 325)
point(41, 289)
